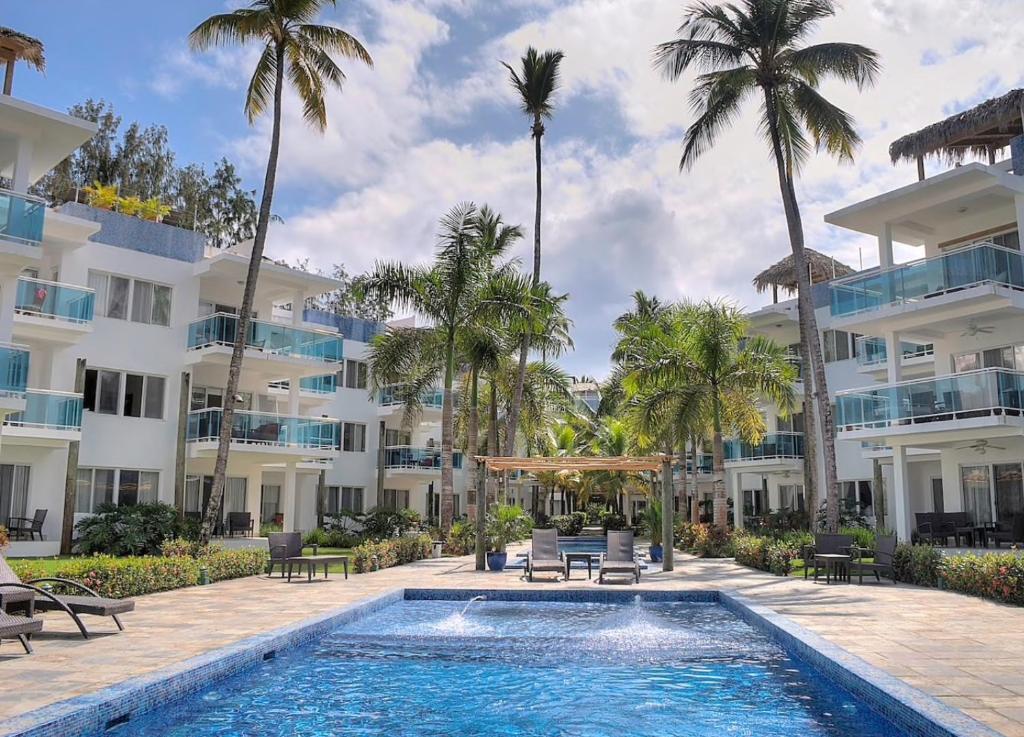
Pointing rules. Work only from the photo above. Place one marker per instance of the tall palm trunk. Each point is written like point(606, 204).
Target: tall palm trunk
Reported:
point(472, 443)
point(245, 316)
point(721, 504)
point(807, 317)
point(695, 502)
point(524, 348)
point(667, 517)
point(810, 435)
point(447, 439)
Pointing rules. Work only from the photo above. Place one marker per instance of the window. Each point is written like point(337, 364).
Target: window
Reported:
point(355, 374)
point(95, 486)
point(857, 496)
point(204, 397)
point(344, 499)
point(13, 492)
point(270, 503)
point(143, 395)
point(793, 423)
point(397, 437)
point(975, 482)
point(118, 297)
point(353, 437)
point(836, 345)
point(791, 497)
point(395, 499)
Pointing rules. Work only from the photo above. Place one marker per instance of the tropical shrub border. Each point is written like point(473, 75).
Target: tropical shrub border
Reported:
point(376, 555)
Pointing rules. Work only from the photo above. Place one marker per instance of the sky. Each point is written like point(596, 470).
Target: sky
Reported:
point(435, 122)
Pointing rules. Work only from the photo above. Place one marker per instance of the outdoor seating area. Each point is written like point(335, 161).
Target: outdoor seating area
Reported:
point(960, 529)
point(286, 552)
point(619, 559)
point(840, 558)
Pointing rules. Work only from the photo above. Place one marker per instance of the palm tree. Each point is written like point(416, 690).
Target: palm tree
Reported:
point(693, 365)
point(295, 45)
point(758, 46)
point(465, 288)
point(535, 84)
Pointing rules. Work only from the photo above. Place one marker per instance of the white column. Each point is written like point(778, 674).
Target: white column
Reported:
point(293, 396)
point(901, 493)
point(8, 296)
point(22, 164)
point(253, 496)
point(893, 357)
point(298, 305)
point(885, 246)
point(734, 482)
point(289, 498)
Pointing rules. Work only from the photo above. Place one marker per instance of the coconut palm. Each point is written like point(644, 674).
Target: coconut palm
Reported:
point(535, 84)
point(15, 47)
point(296, 46)
point(758, 47)
point(465, 288)
point(694, 365)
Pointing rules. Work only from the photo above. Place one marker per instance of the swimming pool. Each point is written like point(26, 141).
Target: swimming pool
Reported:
point(571, 662)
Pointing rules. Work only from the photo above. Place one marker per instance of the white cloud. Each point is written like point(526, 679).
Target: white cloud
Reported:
point(615, 220)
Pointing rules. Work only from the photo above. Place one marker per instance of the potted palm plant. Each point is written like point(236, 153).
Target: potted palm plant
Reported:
point(652, 516)
point(506, 524)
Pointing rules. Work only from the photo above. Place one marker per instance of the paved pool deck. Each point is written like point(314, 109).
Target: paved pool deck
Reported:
point(965, 651)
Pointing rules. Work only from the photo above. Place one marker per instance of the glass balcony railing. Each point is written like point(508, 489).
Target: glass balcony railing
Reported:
point(262, 428)
point(772, 446)
point(49, 410)
point(871, 351)
point(953, 397)
point(390, 396)
point(326, 384)
point(919, 280)
point(66, 302)
point(704, 464)
point(269, 337)
point(21, 218)
point(13, 370)
point(405, 456)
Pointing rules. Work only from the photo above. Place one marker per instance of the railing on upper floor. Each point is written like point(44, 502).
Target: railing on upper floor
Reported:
point(54, 300)
point(326, 384)
point(871, 350)
point(264, 428)
point(21, 217)
point(411, 457)
point(286, 340)
point(392, 395)
point(13, 370)
point(775, 445)
point(48, 410)
point(916, 281)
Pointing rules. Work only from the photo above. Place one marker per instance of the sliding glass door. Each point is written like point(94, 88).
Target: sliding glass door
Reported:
point(1009, 491)
point(976, 484)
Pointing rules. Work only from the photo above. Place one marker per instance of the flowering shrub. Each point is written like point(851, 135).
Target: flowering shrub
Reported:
point(710, 541)
point(997, 576)
point(375, 555)
point(135, 576)
point(4, 538)
point(773, 554)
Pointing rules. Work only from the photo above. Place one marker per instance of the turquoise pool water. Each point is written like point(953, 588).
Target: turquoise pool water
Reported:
point(516, 669)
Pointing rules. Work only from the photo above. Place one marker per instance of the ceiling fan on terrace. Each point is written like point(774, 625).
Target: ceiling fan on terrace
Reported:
point(980, 446)
point(974, 329)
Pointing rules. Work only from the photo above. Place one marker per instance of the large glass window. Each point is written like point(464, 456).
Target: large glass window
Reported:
point(93, 487)
point(397, 437)
point(791, 497)
point(270, 503)
point(975, 482)
point(143, 395)
point(13, 492)
point(1009, 491)
point(354, 437)
point(395, 499)
point(355, 374)
point(344, 499)
point(118, 297)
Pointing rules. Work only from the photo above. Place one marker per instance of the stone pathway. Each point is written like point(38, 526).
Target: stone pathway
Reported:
point(967, 652)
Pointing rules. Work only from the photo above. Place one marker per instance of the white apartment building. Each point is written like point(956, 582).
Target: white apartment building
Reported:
point(925, 359)
point(148, 313)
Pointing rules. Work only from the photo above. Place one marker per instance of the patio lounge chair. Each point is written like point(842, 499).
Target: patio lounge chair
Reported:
point(19, 527)
point(825, 544)
point(74, 606)
point(1012, 532)
point(240, 522)
point(620, 558)
point(283, 545)
point(544, 556)
point(19, 628)
point(885, 549)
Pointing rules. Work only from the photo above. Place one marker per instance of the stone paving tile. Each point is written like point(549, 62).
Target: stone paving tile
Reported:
point(964, 651)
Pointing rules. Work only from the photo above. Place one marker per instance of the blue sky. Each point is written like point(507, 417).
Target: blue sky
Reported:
point(435, 123)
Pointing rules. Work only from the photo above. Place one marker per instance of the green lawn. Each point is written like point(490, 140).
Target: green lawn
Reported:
point(49, 564)
point(334, 567)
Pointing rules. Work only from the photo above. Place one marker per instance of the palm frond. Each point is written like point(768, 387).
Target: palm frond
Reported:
point(261, 87)
point(831, 127)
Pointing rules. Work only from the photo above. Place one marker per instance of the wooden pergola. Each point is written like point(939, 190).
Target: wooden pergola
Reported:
point(541, 464)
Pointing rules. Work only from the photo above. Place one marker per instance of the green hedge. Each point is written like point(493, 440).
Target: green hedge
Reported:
point(389, 553)
point(134, 576)
point(998, 576)
point(703, 540)
point(917, 564)
point(772, 554)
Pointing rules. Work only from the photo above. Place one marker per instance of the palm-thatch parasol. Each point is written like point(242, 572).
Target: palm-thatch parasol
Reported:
point(822, 268)
point(15, 47)
point(982, 130)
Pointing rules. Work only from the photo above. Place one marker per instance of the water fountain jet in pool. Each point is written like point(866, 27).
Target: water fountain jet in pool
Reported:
point(476, 598)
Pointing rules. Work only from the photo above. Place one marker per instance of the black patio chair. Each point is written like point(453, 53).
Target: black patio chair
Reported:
point(882, 555)
point(1011, 532)
point(825, 544)
point(18, 527)
point(283, 545)
point(240, 522)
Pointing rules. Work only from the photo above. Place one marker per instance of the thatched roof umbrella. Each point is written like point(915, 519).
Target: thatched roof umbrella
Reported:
point(15, 47)
point(982, 130)
point(822, 268)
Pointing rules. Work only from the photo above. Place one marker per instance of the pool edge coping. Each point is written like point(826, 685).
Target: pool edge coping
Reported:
point(907, 706)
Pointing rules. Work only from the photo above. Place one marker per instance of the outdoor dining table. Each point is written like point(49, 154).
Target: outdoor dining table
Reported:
point(837, 565)
point(587, 558)
point(312, 561)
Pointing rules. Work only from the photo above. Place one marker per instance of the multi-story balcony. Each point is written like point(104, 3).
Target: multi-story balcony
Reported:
point(48, 417)
point(48, 310)
point(873, 356)
point(281, 348)
point(262, 432)
point(982, 277)
point(390, 399)
point(21, 218)
point(13, 370)
point(973, 399)
point(311, 385)
point(409, 458)
point(774, 448)
point(704, 464)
